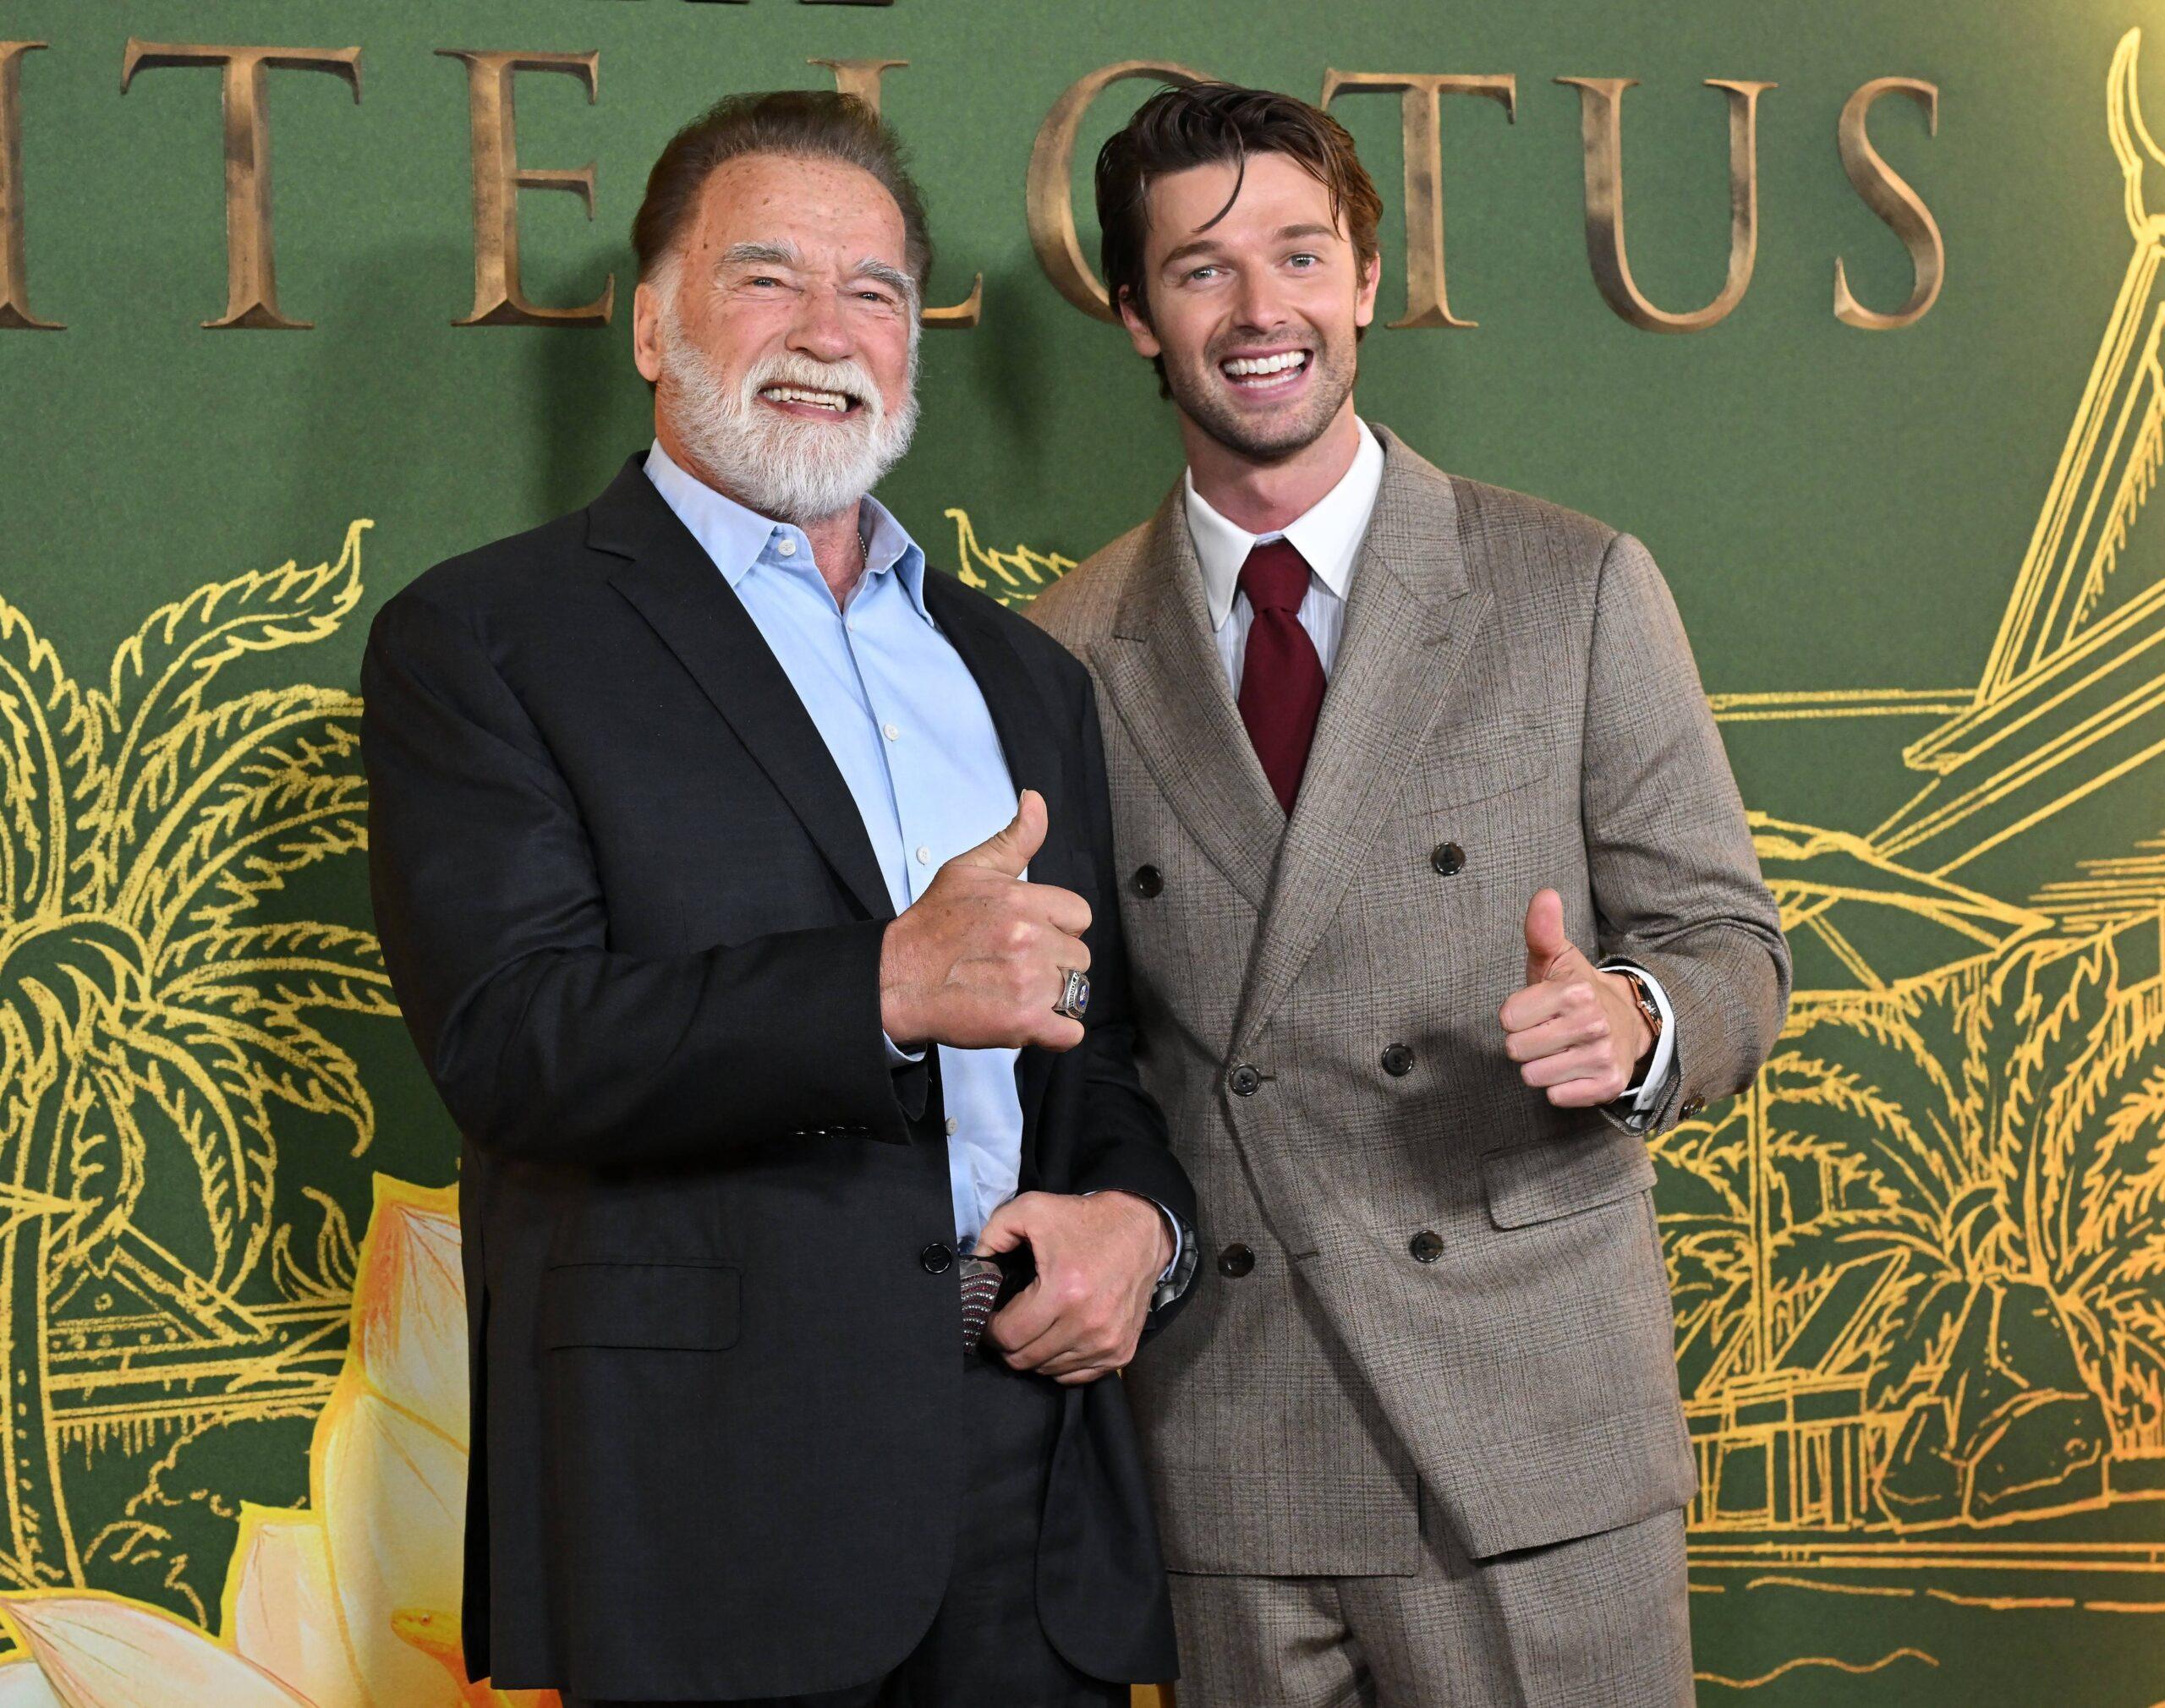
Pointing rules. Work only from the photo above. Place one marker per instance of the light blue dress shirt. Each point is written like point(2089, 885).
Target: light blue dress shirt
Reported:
point(908, 729)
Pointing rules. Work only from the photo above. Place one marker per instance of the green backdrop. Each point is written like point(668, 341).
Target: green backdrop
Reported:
point(1920, 1326)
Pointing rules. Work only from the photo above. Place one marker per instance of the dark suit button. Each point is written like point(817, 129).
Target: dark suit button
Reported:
point(1448, 858)
point(1147, 881)
point(1425, 1246)
point(1244, 1080)
point(935, 1258)
point(1692, 1108)
point(1398, 1061)
point(1236, 1261)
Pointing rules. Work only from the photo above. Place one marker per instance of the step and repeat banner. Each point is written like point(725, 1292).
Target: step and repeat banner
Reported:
point(1855, 321)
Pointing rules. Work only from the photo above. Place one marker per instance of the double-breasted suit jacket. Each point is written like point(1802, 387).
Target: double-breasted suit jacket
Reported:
point(1419, 1278)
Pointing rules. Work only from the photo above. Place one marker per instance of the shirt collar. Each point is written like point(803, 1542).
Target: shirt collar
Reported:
point(738, 539)
point(1328, 533)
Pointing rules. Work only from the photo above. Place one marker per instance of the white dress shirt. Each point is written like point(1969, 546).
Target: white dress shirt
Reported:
point(1328, 534)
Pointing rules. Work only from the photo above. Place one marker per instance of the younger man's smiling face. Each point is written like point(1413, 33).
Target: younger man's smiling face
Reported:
point(1255, 306)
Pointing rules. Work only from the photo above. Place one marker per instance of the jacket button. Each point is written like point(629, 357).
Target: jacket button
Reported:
point(1236, 1261)
point(1692, 1108)
point(1398, 1061)
point(1449, 858)
point(1244, 1080)
point(1425, 1246)
point(1147, 881)
point(935, 1258)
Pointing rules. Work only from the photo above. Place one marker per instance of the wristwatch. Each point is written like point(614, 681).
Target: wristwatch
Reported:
point(1643, 999)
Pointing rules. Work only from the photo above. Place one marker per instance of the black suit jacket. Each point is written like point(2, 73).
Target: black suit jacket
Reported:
point(634, 920)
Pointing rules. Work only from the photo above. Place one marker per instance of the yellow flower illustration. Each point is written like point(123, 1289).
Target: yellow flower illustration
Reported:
point(352, 1601)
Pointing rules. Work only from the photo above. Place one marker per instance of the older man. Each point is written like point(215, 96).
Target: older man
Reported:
point(697, 823)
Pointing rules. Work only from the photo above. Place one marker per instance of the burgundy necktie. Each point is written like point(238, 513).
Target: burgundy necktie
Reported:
point(1281, 677)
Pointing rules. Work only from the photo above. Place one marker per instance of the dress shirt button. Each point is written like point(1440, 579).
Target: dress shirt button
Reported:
point(924, 856)
point(1692, 1108)
point(1245, 1081)
point(1236, 1261)
point(787, 547)
point(953, 1125)
point(1448, 859)
point(1147, 881)
point(890, 732)
point(1425, 1246)
point(1398, 1060)
point(935, 1258)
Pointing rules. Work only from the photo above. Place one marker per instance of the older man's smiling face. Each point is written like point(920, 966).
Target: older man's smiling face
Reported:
point(781, 334)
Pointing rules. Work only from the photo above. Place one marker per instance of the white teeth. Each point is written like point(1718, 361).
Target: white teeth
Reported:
point(1242, 367)
point(798, 394)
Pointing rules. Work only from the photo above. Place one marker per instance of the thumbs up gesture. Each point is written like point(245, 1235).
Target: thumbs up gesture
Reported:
point(979, 959)
point(1573, 1029)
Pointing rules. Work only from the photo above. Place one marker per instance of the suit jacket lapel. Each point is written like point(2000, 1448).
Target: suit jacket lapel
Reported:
point(676, 587)
point(1163, 676)
point(1020, 717)
point(1412, 616)
point(1020, 712)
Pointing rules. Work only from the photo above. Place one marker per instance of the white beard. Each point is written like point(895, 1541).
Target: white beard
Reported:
point(783, 467)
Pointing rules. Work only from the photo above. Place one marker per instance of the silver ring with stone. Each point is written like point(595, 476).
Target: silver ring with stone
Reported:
point(1075, 994)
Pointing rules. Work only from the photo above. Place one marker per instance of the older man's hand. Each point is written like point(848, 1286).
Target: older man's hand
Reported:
point(1099, 1259)
point(978, 960)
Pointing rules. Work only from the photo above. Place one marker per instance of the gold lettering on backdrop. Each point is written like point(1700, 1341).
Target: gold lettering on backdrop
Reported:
point(251, 271)
point(1601, 101)
point(861, 77)
point(499, 298)
point(15, 314)
point(1050, 208)
point(1421, 122)
point(1889, 194)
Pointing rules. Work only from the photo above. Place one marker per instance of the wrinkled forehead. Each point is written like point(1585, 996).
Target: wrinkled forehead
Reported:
point(828, 213)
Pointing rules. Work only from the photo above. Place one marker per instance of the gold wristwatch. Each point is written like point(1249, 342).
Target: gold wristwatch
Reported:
point(1643, 999)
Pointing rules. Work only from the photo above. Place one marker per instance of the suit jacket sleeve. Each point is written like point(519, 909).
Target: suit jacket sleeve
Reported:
point(544, 1042)
point(1124, 1145)
point(1676, 885)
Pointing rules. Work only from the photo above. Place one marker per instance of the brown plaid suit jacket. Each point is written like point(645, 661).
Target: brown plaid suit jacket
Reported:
point(1512, 679)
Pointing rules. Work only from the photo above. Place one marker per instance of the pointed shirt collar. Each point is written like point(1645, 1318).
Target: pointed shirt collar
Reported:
point(1328, 533)
point(739, 539)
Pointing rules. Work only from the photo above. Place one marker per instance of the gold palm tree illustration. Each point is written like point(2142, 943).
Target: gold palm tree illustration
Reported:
point(154, 1011)
point(1998, 1123)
